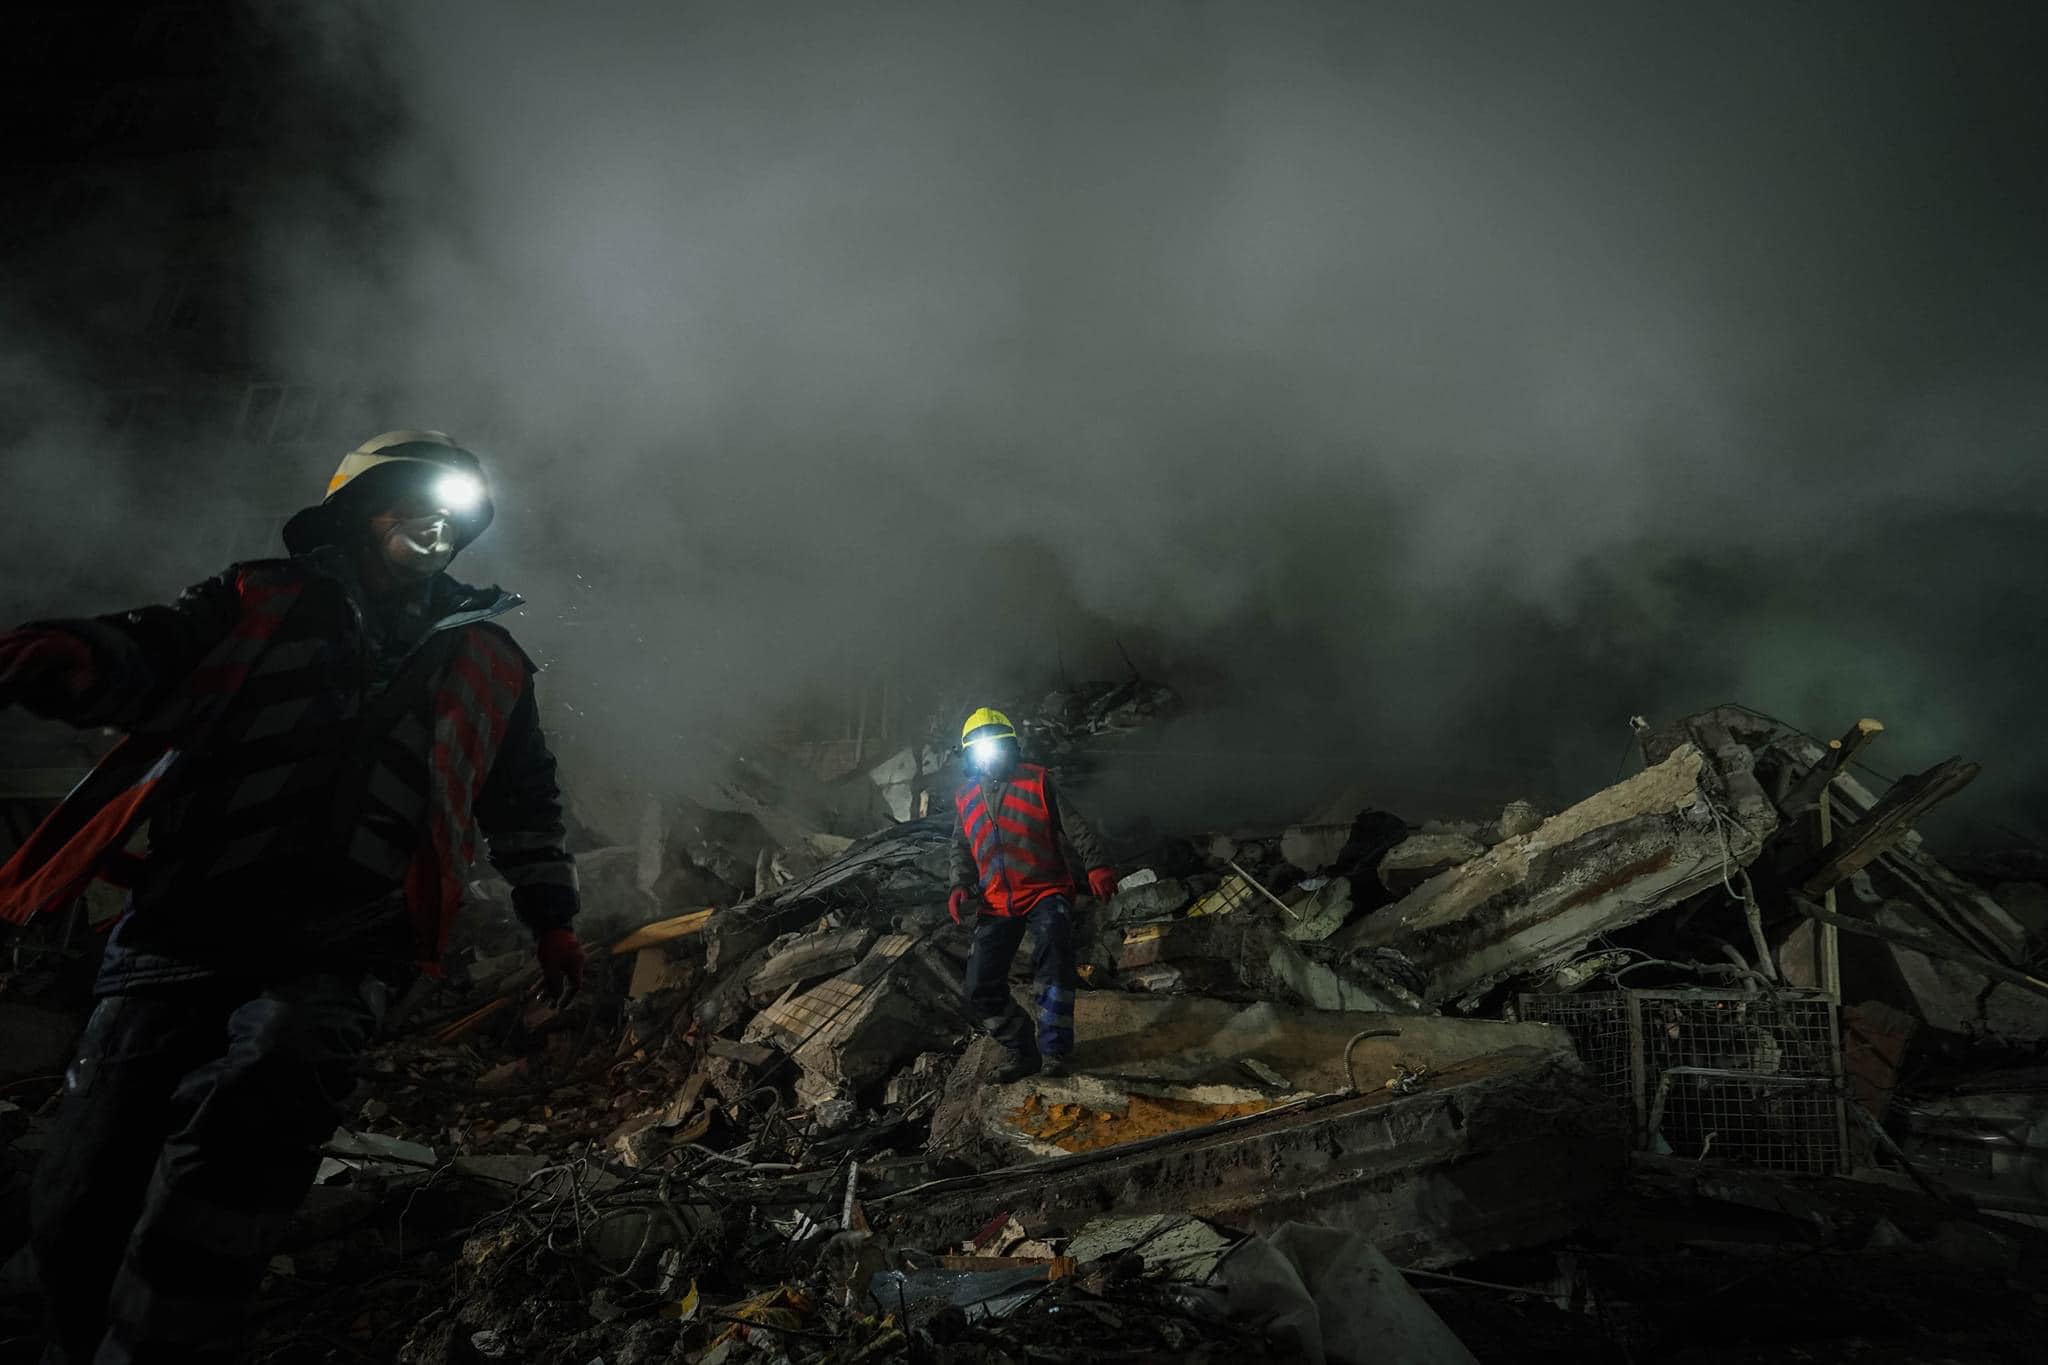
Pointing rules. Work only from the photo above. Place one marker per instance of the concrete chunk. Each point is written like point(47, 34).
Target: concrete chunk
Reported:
point(1419, 857)
point(1490, 1155)
point(812, 957)
point(1151, 900)
point(1528, 903)
point(850, 1032)
point(1314, 847)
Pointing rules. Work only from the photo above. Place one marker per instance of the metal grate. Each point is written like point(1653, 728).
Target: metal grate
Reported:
point(1598, 1024)
point(1714, 1075)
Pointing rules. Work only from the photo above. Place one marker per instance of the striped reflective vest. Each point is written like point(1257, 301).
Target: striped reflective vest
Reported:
point(1017, 845)
point(472, 699)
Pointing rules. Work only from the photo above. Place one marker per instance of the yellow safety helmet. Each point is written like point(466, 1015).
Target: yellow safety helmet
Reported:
point(386, 463)
point(987, 723)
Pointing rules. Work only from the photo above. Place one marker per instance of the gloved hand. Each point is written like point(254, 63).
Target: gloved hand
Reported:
point(957, 903)
point(40, 667)
point(1102, 881)
point(561, 965)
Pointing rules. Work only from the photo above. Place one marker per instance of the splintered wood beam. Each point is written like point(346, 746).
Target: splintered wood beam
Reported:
point(1921, 943)
point(1841, 753)
point(662, 931)
point(1889, 821)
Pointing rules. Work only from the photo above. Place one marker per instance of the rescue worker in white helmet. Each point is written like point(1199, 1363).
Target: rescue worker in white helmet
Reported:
point(1010, 867)
point(312, 743)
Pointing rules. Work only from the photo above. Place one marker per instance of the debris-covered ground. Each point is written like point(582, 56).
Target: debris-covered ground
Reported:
point(1664, 1075)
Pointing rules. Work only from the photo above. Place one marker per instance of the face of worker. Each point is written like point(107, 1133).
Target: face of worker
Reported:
point(995, 758)
point(411, 539)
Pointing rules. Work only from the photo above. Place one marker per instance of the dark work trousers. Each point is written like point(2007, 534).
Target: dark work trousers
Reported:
point(188, 1136)
point(989, 1002)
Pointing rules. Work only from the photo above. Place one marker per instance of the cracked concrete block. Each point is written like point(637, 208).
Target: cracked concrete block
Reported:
point(849, 1032)
point(1527, 904)
point(1419, 857)
point(1157, 899)
point(810, 958)
point(1313, 848)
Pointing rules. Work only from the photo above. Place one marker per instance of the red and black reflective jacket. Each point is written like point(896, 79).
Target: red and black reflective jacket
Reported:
point(253, 726)
point(1007, 840)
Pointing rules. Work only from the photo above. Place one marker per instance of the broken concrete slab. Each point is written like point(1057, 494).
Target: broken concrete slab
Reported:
point(1147, 1065)
point(1157, 899)
point(851, 1031)
point(908, 865)
point(956, 1123)
point(1527, 904)
point(1247, 954)
point(1170, 1246)
point(1192, 1040)
point(807, 959)
point(1419, 857)
point(896, 779)
point(1296, 973)
point(924, 1078)
point(1490, 1155)
point(1955, 997)
point(1314, 848)
point(1519, 817)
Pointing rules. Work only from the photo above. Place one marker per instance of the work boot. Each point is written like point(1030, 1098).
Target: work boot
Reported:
point(1052, 1066)
point(1016, 1066)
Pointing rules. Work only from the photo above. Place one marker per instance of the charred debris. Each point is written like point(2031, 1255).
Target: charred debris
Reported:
point(1718, 1063)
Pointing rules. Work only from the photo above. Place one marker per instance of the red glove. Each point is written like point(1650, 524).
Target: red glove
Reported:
point(1102, 881)
point(561, 965)
point(956, 903)
point(44, 666)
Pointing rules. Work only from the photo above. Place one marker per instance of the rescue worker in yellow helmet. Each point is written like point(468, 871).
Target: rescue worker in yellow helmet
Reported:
point(313, 743)
point(1009, 864)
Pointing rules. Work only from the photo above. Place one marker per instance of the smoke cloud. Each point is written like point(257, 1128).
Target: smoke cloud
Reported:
point(1426, 388)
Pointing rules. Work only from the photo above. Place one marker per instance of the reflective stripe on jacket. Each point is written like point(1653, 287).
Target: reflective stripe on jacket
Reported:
point(1007, 840)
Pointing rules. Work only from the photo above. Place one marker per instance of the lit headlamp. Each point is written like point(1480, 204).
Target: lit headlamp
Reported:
point(458, 492)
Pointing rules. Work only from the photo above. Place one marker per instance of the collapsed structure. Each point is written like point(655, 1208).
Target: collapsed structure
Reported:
point(1351, 1090)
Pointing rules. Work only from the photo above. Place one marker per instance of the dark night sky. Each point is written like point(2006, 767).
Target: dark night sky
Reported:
point(1428, 387)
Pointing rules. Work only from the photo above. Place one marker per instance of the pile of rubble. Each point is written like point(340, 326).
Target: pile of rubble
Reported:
point(1716, 1059)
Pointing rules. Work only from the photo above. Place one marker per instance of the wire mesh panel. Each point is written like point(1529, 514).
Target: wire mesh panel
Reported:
point(1598, 1024)
point(1714, 1074)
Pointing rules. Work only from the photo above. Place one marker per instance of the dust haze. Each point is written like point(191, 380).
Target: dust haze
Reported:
point(1425, 389)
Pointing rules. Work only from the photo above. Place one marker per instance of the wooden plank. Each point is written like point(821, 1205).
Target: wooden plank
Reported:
point(1889, 821)
point(469, 1023)
point(662, 931)
point(654, 970)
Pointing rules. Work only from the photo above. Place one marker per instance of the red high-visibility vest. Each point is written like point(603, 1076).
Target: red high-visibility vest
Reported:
point(1016, 848)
